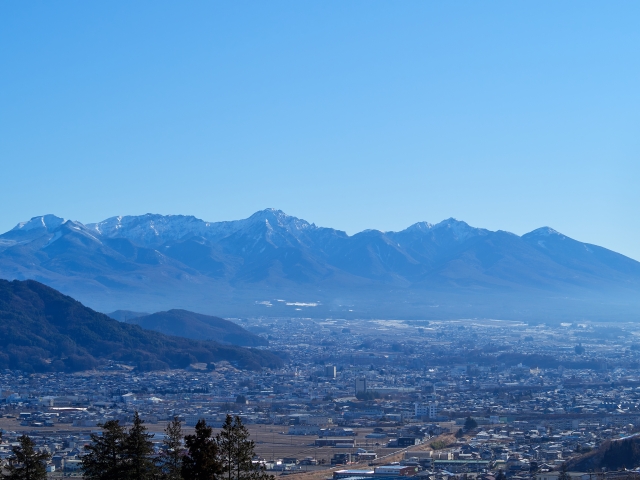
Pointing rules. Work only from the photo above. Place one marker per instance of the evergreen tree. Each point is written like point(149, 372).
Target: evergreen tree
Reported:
point(138, 452)
point(227, 448)
point(104, 459)
point(563, 473)
point(237, 451)
point(26, 463)
point(201, 461)
point(171, 457)
point(470, 424)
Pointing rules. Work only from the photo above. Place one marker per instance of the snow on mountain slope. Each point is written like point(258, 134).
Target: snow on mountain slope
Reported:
point(150, 229)
point(580, 256)
point(175, 257)
point(154, 230)
point(30, 230)
point(48, 222)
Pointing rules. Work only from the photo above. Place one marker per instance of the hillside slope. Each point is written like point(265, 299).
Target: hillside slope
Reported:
point(611, 455)
point(183, 323)
point(42, 330)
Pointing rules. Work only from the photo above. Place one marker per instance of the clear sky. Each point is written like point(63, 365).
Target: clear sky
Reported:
point(350, 114)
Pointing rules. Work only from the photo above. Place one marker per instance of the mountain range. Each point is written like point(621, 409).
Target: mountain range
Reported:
point(273, 264)
point(42, 330)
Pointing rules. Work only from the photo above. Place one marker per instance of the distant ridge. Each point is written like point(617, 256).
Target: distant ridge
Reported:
point(182, 323)
point(42, 330)
point(275, 264)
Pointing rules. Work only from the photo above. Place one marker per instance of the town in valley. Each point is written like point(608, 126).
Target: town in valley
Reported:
point(369, 398)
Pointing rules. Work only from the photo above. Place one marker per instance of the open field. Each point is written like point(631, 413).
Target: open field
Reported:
point(271, 443)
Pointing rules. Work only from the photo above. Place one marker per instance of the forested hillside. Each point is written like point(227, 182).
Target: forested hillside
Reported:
point(42, 330)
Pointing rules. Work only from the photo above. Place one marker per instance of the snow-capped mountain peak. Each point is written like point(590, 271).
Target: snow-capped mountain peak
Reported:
point(544, 232)
point(459, 230)
point(48, 222)
point(277, 218)
point(420, 227)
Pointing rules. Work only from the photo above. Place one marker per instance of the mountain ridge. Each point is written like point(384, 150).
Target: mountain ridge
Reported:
point(231, 268)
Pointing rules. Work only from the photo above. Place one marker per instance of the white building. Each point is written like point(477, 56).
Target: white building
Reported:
point(428, 410)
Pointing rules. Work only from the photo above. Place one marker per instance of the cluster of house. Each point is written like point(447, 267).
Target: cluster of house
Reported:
point(538, 394)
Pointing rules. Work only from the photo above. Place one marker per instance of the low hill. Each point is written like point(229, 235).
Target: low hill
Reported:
point(611, 455)
point(183, 323)
point(42, 330)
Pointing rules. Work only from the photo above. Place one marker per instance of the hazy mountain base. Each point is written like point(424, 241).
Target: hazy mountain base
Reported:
point(378, 303)
point(124, 315)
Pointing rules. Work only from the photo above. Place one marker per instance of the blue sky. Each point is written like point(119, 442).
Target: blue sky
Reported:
point(353, 115)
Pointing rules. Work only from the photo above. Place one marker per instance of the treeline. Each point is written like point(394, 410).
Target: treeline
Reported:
point(118, 453)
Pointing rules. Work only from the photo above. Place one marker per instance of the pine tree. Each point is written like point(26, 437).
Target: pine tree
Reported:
point(237, 451)
point(227, 448)
point(26, 463)
point(104, 459)
point(201, 461)
point(470, 424)
point(171, 457)
point(138, 452)
point(563, 473)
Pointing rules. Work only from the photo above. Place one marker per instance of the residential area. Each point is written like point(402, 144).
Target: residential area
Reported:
point(368, 399)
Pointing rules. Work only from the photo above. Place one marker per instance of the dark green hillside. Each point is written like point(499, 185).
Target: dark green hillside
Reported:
point(183, 323)
point(611, 455)
point(43, 330)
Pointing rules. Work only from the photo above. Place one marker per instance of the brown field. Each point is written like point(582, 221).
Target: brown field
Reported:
point(271, 443)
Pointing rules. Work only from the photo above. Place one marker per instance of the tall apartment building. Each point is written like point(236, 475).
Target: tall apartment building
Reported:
point(428, 410)
point(361, 385)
